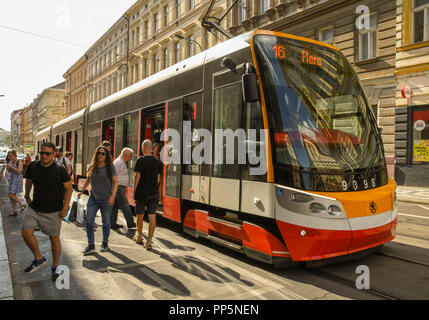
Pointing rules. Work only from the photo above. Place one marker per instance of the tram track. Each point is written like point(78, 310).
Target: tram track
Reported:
point(411, 236)
point(327, 275)
point(385, 254)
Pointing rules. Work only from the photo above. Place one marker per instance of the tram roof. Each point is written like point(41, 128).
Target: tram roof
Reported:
point(43, 132)
point(69, 118)
point(218, 51)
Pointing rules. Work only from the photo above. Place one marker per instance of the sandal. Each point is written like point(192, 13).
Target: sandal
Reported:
point(13, 214)
point(137, 239)
point(23, 207)
point(148, 246)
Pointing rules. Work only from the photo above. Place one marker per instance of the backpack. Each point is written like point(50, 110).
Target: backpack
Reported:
point(65, 166)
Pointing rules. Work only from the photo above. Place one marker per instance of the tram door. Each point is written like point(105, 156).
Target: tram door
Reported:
point(108, 133)
point(172, 168)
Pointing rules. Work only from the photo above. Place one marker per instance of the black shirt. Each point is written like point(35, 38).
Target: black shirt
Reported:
point(149, 167)
point(48, 186)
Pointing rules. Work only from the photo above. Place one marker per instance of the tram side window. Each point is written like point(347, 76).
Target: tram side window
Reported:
point(119, 143)
point(227, 116)
point(131, 141)
point(253, 122)
point(78, 155)
point(94, 134)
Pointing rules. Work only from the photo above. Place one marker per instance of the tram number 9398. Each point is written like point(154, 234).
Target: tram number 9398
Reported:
point(366, 184)
point(193, 169)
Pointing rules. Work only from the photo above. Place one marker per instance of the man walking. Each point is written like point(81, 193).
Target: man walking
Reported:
point(147, 177)
point(63, 161)
point(121, 200)
point(50, 203)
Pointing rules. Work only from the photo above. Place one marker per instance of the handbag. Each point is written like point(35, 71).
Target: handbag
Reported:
point(80, 211)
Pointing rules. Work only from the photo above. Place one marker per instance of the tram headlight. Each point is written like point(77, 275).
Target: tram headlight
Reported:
point(316, 207)
point(334, 210)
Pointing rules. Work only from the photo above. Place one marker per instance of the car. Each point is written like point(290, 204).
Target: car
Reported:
point(21, 156)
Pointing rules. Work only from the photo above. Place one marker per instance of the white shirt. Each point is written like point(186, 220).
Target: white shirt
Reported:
point(60, 162)
point(121, 171)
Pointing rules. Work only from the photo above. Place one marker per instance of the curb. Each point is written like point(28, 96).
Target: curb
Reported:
point(6, 287)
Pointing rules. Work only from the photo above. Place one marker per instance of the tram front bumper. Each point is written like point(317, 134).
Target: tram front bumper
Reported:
point(306, 244)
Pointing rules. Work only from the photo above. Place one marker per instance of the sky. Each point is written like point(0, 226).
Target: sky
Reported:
point(28, 63)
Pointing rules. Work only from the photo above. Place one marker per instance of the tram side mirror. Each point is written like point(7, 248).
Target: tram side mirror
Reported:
point(250, 88)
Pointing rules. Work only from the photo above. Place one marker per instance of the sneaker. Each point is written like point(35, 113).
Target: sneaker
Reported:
point(35, 265)
point(104, 247)
point(116, 226)
point(89, 249)
point(132, 226)
point(55, 275)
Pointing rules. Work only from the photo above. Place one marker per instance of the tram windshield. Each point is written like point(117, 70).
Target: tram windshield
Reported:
point(320, 118)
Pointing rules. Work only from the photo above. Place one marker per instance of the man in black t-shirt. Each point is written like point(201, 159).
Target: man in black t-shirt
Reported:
point(51, 198)
point(148, 171)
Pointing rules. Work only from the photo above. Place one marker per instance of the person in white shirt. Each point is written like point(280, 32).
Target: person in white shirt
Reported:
point(63, 161)
point(121, 200)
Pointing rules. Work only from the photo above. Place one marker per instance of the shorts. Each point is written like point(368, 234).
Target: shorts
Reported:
point(48, 223)
point(151, 203)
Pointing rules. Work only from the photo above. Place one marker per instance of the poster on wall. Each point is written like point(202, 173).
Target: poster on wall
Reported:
point(421, 150)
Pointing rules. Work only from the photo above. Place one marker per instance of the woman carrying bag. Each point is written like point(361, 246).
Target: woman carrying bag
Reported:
point(15, 168)
point(104, 184)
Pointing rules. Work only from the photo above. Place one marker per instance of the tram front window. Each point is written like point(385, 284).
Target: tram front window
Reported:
point(324, 134)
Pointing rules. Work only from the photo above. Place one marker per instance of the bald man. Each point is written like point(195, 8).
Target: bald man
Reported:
point(148, 170)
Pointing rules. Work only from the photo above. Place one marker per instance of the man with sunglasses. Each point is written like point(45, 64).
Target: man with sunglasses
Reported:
point(50, 203)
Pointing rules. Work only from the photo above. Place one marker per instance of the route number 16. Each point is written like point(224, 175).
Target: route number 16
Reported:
point(280, 51)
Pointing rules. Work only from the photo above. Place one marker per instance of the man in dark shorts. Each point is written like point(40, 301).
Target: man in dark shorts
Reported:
point(147, 177)
point(51, 198)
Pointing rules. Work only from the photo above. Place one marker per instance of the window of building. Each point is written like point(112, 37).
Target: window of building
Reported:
point(155, 63)
point(241, 10)
point(206, 39)
point(191, 45)
point(264, 5)
point(368, 40)
point(146, 29)
point(133, 34)
point(155, 23)
point(191, 4)
point(138, 36)
point(327, 35)
point(420, 20)
point(146, 67)
point(165, 58)
point(165, 15)
point(178, 3)
point(176, 52)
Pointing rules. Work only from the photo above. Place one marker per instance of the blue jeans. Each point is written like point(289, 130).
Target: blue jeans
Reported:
point(121, 202)
point(92, 207)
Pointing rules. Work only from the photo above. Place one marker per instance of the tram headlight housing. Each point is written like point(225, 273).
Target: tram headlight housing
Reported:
point(334, 210)
point(316, 207)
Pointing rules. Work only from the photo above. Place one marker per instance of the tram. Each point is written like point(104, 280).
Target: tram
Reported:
point(325, 192)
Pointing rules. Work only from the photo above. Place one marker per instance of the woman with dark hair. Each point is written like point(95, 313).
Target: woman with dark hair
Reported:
point(14, 167)
point(104, 184)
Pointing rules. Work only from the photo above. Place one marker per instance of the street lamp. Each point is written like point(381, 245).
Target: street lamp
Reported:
point(183, 38)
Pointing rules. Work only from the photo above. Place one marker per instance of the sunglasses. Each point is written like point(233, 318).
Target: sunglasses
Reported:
point(42, 153)
point(101, 153)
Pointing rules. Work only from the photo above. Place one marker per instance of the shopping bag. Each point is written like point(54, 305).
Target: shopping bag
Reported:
point(79, 211)
point(71, 215)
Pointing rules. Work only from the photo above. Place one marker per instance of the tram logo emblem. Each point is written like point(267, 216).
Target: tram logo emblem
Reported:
point(373, 207)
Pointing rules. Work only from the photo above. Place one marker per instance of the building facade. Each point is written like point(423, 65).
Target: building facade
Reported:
point(15, 129)
point(76, 87)
point(163, 33)
point(107, 62)
point(50, 107)
point(412, 92)
point(27, 136)
point(364, 31)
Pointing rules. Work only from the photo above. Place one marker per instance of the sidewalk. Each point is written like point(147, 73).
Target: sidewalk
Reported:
point(6, 291)
point(412, 194)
